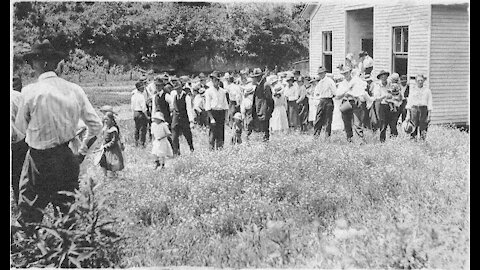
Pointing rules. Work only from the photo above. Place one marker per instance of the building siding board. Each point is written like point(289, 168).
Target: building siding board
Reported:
point(450, 61)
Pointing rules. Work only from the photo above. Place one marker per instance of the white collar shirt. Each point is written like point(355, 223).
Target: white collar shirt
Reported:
point(51, 111)
point(420, 97)
point(325, 88)
point(16, 100)
point(215, 99)
point(138, 102)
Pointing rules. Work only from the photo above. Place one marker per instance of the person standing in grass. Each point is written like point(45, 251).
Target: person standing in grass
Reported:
point(139, 109)
point(292, 94)
point(324, 91)
point(279, 120)
point(302, 102)
point(48, 117)
point(182, 118)
point(161, 147)
point(419, 107)
point(405, 89)
point(263, 102)
point(237, 128)
point(216, 104)
point(352, 93)
point(112, 157)
point(18, 146)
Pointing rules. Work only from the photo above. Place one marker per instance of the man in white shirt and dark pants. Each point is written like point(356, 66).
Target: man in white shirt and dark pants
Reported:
point(216, 105)
point(325, 90)
point(139, 109)
point(51, 110)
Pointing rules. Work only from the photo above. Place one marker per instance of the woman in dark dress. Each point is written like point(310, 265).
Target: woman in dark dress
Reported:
point(112, 158)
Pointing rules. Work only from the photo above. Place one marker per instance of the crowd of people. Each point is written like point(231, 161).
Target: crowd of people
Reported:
point(53, 124)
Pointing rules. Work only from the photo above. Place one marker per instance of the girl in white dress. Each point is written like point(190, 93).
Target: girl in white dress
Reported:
point(161, 147)
point(279, 120)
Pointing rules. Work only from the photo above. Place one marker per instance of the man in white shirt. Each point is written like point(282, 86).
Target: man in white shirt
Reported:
point(18, 146)
point(352, 90)
point(139, 109)
point(325, 90)
point(216, 104)
point(292, 93)
point(51, 110)
point(419, 107)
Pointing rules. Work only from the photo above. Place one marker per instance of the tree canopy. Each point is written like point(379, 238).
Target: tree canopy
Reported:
point(176, 34)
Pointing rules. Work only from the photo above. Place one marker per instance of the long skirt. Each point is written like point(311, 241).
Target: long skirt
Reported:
point(293, 114)
point(312, 109)
point(279, 119)
point(337, 121)
point(112, 159)
point(162, 148)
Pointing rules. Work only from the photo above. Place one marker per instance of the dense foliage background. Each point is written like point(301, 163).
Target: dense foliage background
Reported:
point(175, 36)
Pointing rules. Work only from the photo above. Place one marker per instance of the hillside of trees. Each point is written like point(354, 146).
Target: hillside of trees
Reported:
point(179, 36)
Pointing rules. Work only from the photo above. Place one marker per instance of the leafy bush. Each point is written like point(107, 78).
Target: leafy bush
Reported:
point(82, 238)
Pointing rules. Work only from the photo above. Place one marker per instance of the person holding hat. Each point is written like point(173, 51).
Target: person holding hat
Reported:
point(292, 93)
point(17, 141)
point(386, 117)
point(352, 93)
point(216, 105)
point(419, 106)
point(279, 120)
point(405, 90)
point(50, 166)
point(161, 148)
point(182, 119)
point(262, 102)
point(112, 157)
point(324, 92)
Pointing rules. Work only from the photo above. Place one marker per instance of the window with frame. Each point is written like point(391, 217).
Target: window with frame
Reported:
point(327, 51)
point(400, 50)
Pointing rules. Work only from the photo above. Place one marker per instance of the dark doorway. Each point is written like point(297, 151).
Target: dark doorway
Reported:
point(367, 45)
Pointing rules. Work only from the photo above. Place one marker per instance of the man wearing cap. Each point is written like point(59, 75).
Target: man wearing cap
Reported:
point(325, 91)
point(352, 90)
point(182, 119)
point(216, 105)
point(139, 109)
point(50, 166)
point(386, 117)
point(405, 90)
point(18, 146)
point(419, 106)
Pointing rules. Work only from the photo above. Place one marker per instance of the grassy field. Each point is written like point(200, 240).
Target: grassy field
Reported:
point(294, 202)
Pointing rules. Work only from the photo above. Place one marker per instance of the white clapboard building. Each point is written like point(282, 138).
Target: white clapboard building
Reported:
point(407, 37)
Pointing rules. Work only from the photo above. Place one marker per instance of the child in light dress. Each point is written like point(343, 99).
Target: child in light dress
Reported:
point(161, 147)
point(237, 128)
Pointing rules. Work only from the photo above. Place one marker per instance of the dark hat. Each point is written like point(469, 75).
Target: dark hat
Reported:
point(403, 78)
point(345, 69)
point(321, 69)
point(215, 74)
point(408, 127)
point(256, 72)
point(362, 53)
point(297, 72)
point(382, 72)
point(139, 84)
point(43, 50)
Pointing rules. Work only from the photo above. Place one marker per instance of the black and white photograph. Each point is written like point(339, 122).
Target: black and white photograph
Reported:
point(240, 134)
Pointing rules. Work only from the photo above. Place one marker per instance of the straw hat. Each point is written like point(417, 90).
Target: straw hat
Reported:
point(321, 69)
point(107, 108)
point(158, 115)
point(382, 72)
point(345, 70)
point(238, 116)
point(43, 50)
point(256, 72)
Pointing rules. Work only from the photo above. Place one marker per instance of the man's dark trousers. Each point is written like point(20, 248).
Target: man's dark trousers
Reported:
point(140, 127)
point(324, 116)
point(217, 131)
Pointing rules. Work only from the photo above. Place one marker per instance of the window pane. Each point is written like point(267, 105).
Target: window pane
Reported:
point(327, 62)
point(324, 41)
point(405, 39)
point(330, 41)
point(397, 34)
